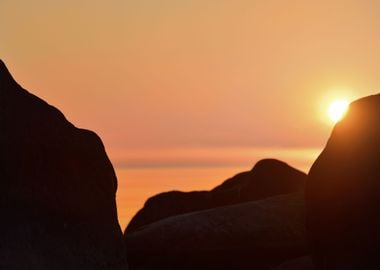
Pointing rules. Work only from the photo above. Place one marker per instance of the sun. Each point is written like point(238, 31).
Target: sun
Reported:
point(337, 110)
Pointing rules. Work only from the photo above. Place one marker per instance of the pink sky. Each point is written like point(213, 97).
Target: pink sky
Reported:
point(194, 73)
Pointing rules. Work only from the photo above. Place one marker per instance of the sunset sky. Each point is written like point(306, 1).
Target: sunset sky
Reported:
point(180, 84)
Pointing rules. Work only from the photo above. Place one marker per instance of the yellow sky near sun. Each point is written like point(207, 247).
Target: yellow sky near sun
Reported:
point(194, 74)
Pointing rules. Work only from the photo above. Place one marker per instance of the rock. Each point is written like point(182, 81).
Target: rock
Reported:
point(168, 204)
point(300, 263)
point(268, 177)
point(57, 190)
point(251, 235)
point(343, 188)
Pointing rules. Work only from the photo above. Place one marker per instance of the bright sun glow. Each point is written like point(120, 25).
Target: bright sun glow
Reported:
point(338, 109)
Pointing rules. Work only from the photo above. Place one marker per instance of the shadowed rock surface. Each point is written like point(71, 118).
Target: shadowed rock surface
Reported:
point(301, 263)
point(343, 188)
point(268, 177)
point(252, 235)
point(57, 189)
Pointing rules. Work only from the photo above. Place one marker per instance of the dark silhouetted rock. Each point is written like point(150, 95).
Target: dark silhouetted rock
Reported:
point(301, 263)
point(57, 190)
point(251, 235)
point(343, 203)
point(268, 177)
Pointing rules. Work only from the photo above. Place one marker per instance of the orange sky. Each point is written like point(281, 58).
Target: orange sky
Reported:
point(194, 73)
point(156, 78)
point(184, 74)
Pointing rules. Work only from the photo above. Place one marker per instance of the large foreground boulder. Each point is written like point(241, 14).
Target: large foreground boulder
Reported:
point(343, 187)
point(269, 177)
point(57, 195)
point(252, 235)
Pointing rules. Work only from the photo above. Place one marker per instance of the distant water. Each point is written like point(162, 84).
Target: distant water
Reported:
point(137, 184)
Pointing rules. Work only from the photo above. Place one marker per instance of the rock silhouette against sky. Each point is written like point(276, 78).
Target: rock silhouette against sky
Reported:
point(57, 189)
point(343, 187)
point(268, 177)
